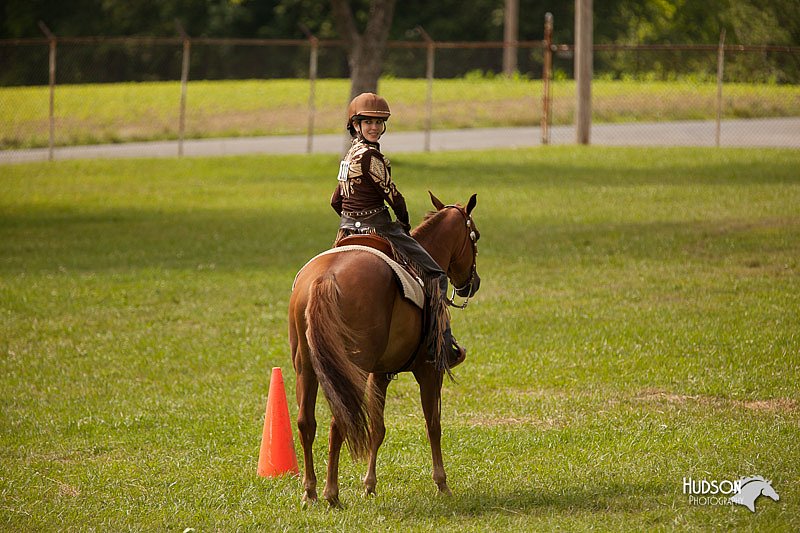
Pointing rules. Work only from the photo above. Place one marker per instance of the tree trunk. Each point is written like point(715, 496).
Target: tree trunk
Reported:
point(364, 52)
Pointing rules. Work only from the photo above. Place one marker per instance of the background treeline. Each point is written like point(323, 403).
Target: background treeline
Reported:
point(750, 22)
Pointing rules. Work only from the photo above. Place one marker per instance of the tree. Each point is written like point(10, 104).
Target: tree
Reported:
point(364, 51)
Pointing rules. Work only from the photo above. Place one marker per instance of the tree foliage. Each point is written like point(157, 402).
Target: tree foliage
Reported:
point(615, 21)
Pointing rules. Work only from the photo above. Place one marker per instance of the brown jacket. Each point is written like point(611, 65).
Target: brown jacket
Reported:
point(365, 183)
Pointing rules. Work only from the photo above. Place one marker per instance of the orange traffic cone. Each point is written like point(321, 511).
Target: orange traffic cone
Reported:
point(277, 455)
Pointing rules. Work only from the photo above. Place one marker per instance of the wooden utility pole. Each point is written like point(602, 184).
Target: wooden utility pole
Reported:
point(51, 38)
point(187, 50)
point(313, 60)
point(720, 72)
point(431, 56)
point(510, 37)
point(547, 74)
point(583, 70)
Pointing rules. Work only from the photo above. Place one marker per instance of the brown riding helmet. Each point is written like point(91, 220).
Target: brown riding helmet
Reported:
point(367, 105)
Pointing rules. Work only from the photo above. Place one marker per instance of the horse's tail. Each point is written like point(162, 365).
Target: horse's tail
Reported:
point(331, 341)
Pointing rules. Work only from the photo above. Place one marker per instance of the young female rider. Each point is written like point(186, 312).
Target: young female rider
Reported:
point(364, 189)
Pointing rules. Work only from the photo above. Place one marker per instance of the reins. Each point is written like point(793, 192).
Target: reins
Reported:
point(472, 237)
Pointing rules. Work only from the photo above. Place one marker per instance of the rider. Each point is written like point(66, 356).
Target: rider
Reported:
point(365, 187)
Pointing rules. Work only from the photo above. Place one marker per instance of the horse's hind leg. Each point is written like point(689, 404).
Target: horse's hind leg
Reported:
point(306, 390)
point(430, 391)
point(377, 401)
point(331, 492)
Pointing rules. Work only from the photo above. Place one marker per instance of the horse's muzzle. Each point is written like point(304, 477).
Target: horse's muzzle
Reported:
point(469, 290)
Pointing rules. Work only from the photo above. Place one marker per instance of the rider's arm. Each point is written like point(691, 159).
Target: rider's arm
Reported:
point(381, 173)
point(336, 201)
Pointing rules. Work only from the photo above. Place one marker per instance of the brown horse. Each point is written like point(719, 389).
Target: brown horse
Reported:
point(350, 328)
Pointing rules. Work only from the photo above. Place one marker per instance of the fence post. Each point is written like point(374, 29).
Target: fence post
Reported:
point(52, 68)
point(431, 54)
point(312, 79)
point(720, 69)
point(510, 37)
point(583, 70)
point(547, 73)
point(187, 47)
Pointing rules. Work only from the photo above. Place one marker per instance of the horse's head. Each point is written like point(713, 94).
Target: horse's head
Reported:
point(769, 492)
point(750, 488)
point(462, 267)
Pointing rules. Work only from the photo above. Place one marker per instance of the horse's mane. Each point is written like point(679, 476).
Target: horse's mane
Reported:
point(428, 221)
point(745, 480)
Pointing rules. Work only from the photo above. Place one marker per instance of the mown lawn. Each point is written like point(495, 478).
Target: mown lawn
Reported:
point(124, 112)
point(637, 325)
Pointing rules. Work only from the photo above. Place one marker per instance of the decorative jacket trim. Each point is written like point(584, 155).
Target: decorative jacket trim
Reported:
point(365, 182)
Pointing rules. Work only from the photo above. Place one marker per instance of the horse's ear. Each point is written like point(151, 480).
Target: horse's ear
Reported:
point(473, 200)
point(436, 202)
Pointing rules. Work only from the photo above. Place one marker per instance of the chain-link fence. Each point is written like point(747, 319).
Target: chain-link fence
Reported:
point(76, 91)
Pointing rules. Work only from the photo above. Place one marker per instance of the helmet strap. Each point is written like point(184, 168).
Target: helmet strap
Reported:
point(357, 128)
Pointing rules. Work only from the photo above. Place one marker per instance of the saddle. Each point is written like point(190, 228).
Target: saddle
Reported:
point(410, 283)
point(372, 240)
point(409, 280)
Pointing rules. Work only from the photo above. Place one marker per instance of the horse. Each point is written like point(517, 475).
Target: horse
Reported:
point(351, 330)
point(750, 488)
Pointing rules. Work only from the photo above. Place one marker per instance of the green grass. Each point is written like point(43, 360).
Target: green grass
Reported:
point(122, 112)
point(637, 324)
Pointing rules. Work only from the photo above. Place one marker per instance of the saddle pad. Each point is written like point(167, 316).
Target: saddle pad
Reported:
point(412, 287)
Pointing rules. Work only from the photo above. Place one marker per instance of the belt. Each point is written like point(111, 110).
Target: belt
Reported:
point(358, 214)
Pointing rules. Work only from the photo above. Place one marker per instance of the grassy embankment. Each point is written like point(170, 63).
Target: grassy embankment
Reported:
point(87, 114)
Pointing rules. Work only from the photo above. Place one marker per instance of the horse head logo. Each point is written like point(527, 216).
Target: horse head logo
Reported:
point(750, 488)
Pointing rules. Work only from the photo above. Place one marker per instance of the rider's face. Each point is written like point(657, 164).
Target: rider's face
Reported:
point(372, 129)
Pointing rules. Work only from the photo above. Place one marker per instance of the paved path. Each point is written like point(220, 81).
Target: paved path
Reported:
point(778, 132)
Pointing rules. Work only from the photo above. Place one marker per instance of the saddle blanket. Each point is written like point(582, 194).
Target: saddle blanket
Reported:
point(412, 286)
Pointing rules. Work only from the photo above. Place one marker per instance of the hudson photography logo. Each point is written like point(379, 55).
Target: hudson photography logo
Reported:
point(744, 491)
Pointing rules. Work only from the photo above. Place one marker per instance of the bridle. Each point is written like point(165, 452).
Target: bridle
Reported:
point(472, 237)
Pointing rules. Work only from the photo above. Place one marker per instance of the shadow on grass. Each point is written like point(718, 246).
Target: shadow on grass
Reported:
point(532, 500)
point(236, 239)
point(117, 239)
point(610, 167)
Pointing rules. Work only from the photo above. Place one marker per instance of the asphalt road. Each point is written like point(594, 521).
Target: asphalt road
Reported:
point(775, 132)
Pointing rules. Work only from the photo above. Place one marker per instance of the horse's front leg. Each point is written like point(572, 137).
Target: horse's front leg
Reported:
point(331, 492)
point(430, 391)
point(377, 401)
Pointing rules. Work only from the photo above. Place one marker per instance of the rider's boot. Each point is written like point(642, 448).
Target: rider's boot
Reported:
point(457, 353)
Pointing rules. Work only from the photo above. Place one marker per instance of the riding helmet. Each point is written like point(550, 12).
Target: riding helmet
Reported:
point(367, 105)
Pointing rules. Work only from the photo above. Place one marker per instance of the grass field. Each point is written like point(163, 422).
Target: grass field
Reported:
point(122, 112)
point(637, 325)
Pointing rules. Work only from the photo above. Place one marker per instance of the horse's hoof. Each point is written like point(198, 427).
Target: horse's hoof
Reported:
point(335, 503)
point(369, 485)
point(444, 490)
point(309, 498)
